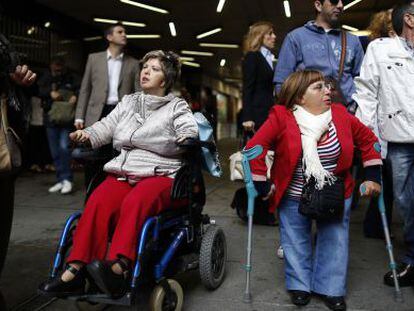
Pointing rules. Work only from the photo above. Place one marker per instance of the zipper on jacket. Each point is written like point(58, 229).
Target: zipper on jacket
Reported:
point(125, 158)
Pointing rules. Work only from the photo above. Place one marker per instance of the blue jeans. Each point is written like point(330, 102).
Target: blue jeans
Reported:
point(323, 271)
point(59, 148)
point(401, 157)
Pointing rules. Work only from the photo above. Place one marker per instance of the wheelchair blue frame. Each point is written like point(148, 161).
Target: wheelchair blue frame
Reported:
point(152, 225)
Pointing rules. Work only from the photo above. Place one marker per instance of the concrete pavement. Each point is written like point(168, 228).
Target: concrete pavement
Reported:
point(39, 217)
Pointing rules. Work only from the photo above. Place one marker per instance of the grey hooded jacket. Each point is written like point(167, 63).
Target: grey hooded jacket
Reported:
point(145, 128)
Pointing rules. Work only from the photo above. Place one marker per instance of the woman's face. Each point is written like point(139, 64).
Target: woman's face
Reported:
point(317, 97)
point(152, 77)
point(269, 39)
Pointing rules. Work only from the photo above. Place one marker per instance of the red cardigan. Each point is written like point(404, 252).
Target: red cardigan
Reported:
point(281, 133)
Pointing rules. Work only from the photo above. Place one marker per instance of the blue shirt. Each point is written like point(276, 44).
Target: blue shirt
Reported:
point(311, 47)
point(268, 55)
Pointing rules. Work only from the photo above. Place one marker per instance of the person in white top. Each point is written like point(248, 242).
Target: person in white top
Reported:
point(109, 76)
point(385, 92)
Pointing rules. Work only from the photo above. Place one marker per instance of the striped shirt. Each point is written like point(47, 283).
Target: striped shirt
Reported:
point(329, 150)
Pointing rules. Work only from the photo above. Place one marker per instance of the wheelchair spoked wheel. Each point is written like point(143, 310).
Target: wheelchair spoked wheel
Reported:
point(213, 256)
point(160, 302)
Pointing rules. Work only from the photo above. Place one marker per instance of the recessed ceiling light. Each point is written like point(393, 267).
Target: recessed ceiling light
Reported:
point(188, 52)
point(220, 5)
point(191, 64)
point(133, 24)
point(47, 24)
point(144, 36)
point(361, 33)
point(186, 58)
point(350, 28)
point(113, 21)
point(351, 4)
point(105, 20)
point(286, 5)
point(208, 33)
point(145, 6)
point(222, 62)
point(92, 38)
point(219, 45)
point(172, 29)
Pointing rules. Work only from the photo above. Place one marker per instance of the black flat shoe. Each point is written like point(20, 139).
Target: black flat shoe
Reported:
point(336, 303)
point(55, 287)
point(299, 297)
point(405, 276)
point(109, 282)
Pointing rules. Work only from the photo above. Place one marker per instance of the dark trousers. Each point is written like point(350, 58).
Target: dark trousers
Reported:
point(6, 214)
point(38, 146)
point(372, 221)
point(93, 169)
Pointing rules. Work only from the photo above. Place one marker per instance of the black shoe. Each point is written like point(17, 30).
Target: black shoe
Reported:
point(336, 303)
point(299, 297)
point(109, 282)
point(405, 276)
point(55, 287)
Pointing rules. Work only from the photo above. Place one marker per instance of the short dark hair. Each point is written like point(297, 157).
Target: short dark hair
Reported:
point(398, 16)
point(109, 31)
point(170, 65)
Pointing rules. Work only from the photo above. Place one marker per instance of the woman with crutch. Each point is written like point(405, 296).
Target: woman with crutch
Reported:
point(313, 140)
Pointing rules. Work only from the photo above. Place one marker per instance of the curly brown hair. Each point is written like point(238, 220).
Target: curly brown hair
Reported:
point(381, 25)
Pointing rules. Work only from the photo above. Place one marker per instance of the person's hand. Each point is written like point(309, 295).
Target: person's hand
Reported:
point(23, 76)
point(79, 125)
point(55, 95)
point(73, 99)
point(248, 126)
point(368, 188)
point(79, 136)
point(181, 139)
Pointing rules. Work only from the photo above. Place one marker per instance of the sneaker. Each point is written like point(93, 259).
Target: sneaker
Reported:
point(55, 188)
point(280, 253)
point(405, 275)
point(66, 187)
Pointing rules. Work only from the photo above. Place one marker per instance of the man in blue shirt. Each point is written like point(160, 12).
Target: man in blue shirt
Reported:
point(317, 45)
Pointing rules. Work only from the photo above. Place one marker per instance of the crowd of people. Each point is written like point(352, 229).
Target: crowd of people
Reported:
point(326, 104)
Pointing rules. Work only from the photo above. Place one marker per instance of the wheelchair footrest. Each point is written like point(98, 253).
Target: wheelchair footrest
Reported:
point(126, 300)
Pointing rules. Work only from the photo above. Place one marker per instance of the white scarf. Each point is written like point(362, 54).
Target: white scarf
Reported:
point(312, 128)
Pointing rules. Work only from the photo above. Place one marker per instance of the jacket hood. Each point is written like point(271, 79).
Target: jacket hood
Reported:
point(313, 27)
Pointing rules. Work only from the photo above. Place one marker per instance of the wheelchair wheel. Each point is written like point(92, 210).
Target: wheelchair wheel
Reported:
point(159, 302)
point(90, 306)
point(213, 256)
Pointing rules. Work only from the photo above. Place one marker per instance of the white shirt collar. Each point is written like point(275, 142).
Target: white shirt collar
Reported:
point(109, 55)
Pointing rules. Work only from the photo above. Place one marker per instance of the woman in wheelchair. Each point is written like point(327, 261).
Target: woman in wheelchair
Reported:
point(147, 128)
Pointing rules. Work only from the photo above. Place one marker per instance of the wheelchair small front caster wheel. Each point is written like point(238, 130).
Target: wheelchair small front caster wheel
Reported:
point(90, 306)
point(160, 302)
point(213, 256)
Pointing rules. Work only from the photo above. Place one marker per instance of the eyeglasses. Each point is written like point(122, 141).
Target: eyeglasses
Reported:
point(322, 86)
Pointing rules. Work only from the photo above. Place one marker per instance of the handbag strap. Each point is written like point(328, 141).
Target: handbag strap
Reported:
point(343, 55)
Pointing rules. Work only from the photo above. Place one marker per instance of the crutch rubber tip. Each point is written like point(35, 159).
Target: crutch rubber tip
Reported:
point(247, 298)
point(398, 297)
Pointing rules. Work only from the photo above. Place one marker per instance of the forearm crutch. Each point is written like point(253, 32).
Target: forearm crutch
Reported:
point(248, 155)
point(398, 297)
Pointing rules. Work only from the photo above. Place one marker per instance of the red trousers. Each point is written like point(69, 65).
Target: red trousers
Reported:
point(119, 208)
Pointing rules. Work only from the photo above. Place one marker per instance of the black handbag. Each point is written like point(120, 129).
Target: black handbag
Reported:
point(326, 204)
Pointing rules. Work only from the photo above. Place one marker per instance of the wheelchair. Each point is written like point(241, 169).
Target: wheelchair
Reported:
point(173, 242)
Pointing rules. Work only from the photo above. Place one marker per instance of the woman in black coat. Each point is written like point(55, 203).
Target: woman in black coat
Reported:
point(258, 75)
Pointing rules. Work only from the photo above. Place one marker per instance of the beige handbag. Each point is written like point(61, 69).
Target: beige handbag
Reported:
point(236, 168)
point(10, 152)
